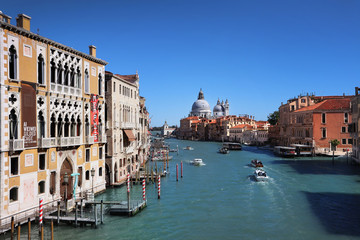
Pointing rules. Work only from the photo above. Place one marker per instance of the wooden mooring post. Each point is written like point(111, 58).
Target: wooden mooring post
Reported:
point(18, 231)
point(102, 212)
point(52, 230)
point(76, 215)
point(29, 229)
point(12, 228)
point(58, 212)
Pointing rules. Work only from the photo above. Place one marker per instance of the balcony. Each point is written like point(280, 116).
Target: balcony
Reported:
point(89, 139)
point(16, 144)
point(47, 142)
point(130, 148)
point(103, 138)
point(68, 141)
point(127, 125)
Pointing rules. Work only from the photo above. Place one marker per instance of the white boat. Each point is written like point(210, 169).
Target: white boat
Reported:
point(224, 150)
point(188, 148)
point(260, 175)
point(197, 162)
point(160, 158)
point(256, 163)
point(284, 151)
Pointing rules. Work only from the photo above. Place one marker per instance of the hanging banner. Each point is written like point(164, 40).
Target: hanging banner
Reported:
point(28, 113)
point(94, 115)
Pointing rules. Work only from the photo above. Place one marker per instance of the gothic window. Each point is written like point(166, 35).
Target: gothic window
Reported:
point(72, 76)
point(53, 71)
point(66, 126)
point(78, 78)
point(66, 75)
point(13, 119)
point(87, 126)
point(86, 81)
point(73, 127)
point(78, 126)
point(99, 84)
point(60, 74)
point(41, 69)
point(12, 62)
point(53, 126)
point(60, 126)
point(41, 125)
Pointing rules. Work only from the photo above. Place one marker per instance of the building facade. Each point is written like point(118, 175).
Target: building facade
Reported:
point(354, 125)
point(52, 119)
point(127, 127)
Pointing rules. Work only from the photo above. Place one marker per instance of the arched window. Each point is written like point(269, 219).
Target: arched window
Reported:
point(12, 62)
point(78, 126)
point(66, 75)
point(60, 125)
point(41, 69)
point(87, 126)
point(99, 84)
point(53, 126)
point(86, 81)
point(53, 71)
point(41, 187)
point(41, 125)
point(87, 175)
point(13, 118)
point(60, 74)
point(78, 78)
point(14, 194)
point(72, 127)
point(66, 126)
point(72, 76)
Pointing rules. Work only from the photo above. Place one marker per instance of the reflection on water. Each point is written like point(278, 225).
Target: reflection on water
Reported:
point(303, 199)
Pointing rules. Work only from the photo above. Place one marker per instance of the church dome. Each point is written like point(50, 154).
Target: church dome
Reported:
point(201, 107)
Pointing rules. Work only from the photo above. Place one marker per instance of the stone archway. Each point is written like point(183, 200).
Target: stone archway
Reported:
point(107, 175)
point(66, 167)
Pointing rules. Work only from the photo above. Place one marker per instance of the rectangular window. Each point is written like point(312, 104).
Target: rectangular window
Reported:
point(350, 141)
point(343, 141)
point(87, 155)
point(323, 132)
point(343, 129)
point(100, 153)
point(346, 117)
point(303, 100)
point(323, 118)
point(14, 166)
point(52, 183)
point(42, 161)
point(114, 88)
point(119, 89)
point(86, 80)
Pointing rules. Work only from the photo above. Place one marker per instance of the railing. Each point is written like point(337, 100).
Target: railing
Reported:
point(68, 141)
point(47, 142)
point(102, 138)
point(129, 149)
point(65, 89)
point(16, 144)
point(127, 125)
point(89, 139)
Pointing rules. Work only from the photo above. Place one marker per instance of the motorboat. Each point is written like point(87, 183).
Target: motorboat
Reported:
point(188, 148)
point(232, 146)
point(256, 163)
point(197, 162)
point(224, 150)
point(161, 158)
point(260, 175)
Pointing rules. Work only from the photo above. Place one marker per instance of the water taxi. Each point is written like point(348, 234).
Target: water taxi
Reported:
point(224, 150)
point(232, 146)
point(188, 148)
point(256, 163)
point(260, 175)
point(197, 162)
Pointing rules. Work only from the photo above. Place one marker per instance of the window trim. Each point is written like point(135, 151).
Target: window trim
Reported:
point(87, 150)
point(10, 165)
point(39, 162)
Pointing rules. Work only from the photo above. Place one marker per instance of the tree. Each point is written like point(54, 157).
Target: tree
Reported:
point(334, 143)
point(273, 118)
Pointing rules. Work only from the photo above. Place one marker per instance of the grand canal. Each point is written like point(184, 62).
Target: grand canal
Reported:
point(304, 199)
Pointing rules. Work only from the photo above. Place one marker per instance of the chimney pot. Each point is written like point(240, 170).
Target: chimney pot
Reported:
point(23, 21)
point(92, 50)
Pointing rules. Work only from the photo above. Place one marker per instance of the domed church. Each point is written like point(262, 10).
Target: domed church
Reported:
point(201, 108)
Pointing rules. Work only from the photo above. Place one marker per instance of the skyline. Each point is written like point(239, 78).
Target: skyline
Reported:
point(256, 54)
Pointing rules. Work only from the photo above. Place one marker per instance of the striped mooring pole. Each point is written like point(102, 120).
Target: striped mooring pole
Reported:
point(40, 212)
point(159, 186)
point(181, 169)
point(128, 182)
point(177, 172)
point(143, 186)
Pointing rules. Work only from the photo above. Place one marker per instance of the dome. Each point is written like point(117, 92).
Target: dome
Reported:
point(200, 105)
point(218, 108)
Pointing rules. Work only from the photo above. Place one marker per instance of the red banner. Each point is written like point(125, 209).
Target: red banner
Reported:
point(94, 115)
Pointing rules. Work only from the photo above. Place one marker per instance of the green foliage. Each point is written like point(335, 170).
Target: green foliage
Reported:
point(334, 143)
point(273, 118)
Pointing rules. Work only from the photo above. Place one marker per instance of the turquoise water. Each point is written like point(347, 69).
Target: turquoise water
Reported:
point(304, 199)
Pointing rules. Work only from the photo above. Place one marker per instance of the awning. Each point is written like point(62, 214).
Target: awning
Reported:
point(130, 135)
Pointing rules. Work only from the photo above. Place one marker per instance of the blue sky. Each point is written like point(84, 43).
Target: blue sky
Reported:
point(255, 53)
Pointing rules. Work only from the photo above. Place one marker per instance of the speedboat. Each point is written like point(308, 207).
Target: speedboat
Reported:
point(224, 150)
point(188, 148)
point(197, 162)
point(256, 163)
point(260, 175)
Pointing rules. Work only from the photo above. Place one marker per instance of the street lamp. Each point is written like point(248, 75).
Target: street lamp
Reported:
point(66, 182)
point(92, 176)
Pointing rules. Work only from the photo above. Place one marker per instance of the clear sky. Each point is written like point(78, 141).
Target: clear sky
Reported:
point(255, 53)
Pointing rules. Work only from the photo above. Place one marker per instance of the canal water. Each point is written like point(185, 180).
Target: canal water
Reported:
point(309, 198)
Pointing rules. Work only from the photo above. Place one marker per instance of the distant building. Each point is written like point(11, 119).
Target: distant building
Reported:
point(166, 130)
point(354, 125)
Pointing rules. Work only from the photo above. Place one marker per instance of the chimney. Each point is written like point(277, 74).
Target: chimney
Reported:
point(23, 21)
point(356, 91)
point(92, 50)
point(4, 17)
